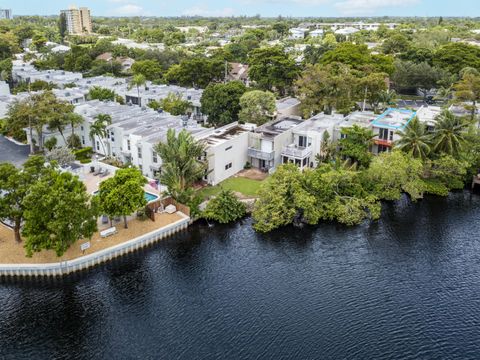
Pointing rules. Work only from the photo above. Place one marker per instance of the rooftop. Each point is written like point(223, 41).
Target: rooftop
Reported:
point(394, 118)
point(277, 127)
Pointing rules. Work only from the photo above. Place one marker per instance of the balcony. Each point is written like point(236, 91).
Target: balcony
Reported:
point(259, 154)
point(383, 142)
point(295, 151)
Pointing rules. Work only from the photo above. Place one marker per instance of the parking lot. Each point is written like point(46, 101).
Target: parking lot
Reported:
point(13, 153)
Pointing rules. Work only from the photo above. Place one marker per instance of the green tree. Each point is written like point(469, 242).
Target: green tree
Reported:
point(468, 89)
point(221, 102)
point(271, 68)
point(99, 128)
point(449, 135)
point(175, 104)
point(449, 171)
point(414, 139)
point(257, 107)
point(150, 69)
point(62, 25)
point(397, 43)
point(15, 184)
point(355, 145)
point(374, 86)
point(196, 72)
point(138, 81)
point(58, 211)
point(62, 156)
point(325, 88)
point(102, 94)
point(454, 57)
point(392, 173)
point(225, 208)
point(122, 194)
point(181, 165)
point(281, 199)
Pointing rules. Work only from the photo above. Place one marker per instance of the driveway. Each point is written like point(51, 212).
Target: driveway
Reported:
point(13, 153)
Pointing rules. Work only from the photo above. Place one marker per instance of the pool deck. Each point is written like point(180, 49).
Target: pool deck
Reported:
point(12, 252)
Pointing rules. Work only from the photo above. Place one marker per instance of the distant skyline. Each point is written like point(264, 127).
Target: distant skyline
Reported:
point(267, 8)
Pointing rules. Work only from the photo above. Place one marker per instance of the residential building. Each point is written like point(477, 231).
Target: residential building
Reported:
point(316, 33)
point(297, 33)
point(125, 61)
point(306, 139)
point(6, 14)
point(78, 20)
point(226, 152)
point(386, 127)
point(267, 142)
point(288, 106)
point(238, 72)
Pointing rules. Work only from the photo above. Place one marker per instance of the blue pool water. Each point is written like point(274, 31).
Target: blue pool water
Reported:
point(148, 196)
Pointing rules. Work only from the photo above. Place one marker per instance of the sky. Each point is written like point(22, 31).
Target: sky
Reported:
point(268, 8)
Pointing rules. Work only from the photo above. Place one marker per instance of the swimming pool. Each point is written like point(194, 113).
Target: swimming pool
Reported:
point(148, 196)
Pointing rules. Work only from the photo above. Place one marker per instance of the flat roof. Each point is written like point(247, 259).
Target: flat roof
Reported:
point(394, 118)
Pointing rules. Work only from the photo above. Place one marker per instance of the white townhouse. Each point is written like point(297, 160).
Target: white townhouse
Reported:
point(267, 142)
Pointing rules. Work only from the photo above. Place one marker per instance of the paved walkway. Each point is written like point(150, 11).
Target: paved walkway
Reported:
point(13, 153)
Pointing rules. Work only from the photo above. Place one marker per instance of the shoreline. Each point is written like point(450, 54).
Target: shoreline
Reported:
point(63, 268)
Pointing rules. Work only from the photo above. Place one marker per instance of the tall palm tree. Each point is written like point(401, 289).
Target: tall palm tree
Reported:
point(74, 120)
point(99, 128)
point(414, 139)
point(138, 80)
point(449, 134)
point(387, 98)
point(182, 165)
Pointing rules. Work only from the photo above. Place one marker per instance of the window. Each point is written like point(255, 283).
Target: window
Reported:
point(228, 148)
point(98, 146)
point(140, 167)
point(391, 136)
point(128, 145)
point(139, 153)
point(81, 128)
point(154, 157)
point(383, 134)
point(302, 141)
point(83, 140)
point(228, 166)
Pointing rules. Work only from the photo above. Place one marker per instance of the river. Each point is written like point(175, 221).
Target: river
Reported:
point(405, 287)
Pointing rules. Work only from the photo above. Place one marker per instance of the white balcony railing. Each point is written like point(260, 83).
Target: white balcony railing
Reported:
point(297, 151)
point(259, 154)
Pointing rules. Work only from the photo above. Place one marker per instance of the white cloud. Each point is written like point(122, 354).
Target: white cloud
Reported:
point(204, 11)
point(362, 7)
point(128, 10)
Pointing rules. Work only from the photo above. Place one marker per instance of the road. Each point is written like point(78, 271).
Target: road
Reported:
point(13, 153)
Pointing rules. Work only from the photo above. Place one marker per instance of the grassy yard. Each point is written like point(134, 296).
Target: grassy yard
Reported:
point(242, 185)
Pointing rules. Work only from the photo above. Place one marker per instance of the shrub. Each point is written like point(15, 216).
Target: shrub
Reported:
point(84, 154)
point(50, 143)
point(225, 208)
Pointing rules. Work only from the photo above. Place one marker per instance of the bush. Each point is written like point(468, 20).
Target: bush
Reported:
point(84, 154)
point(74, 142)
point(225, 208)
point(50, 143)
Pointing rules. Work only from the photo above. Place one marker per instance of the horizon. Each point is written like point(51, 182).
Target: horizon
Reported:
point(250, 8)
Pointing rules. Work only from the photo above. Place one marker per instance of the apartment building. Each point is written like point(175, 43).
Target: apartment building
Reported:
point(78, 20)
point(6, 14)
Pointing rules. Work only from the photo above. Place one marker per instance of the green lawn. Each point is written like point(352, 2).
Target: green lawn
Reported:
point(245, 186)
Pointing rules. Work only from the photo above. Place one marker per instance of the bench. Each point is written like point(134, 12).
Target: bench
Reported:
point(108, 232)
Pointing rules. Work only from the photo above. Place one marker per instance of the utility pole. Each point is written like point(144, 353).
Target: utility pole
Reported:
point(364, 99)
point(226, 72)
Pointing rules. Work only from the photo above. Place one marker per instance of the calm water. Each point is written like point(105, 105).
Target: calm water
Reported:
point(406, 287)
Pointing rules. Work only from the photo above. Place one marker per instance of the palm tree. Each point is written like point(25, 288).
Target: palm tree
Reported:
point(138, 80)
point(182, 165)
point(387, 98)
point(74, 120)
point(414, 139)
point(449, 134)
point(99, 128)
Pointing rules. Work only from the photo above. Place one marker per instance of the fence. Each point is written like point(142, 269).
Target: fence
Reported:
point(154, 205)
point(88, 261)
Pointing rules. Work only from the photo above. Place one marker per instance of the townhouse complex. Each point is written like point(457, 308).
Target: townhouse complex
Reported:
point(136, 129)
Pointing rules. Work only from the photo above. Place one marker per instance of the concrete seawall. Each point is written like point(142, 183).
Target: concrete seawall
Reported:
point(88, 261)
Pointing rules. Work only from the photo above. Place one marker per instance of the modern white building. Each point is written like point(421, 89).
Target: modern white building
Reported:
point(316, 33)
point(297, 33)
point(267, 142)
